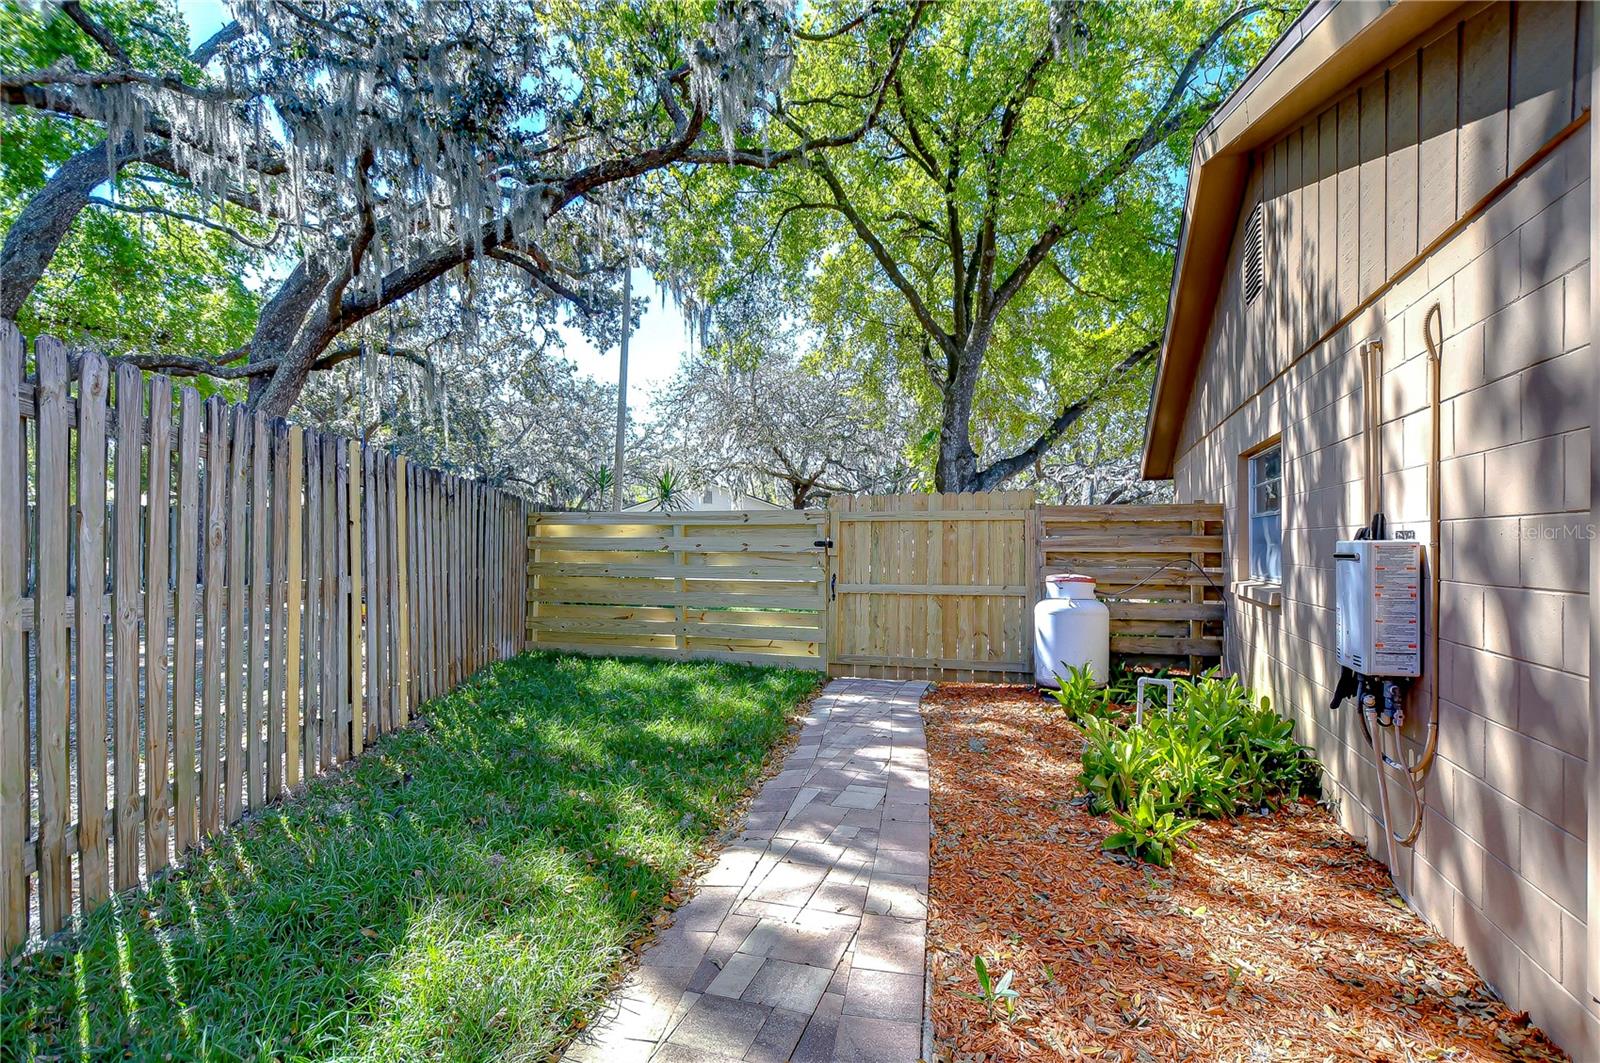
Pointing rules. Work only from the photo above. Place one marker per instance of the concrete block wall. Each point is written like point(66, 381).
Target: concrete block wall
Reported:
point(1351, 197)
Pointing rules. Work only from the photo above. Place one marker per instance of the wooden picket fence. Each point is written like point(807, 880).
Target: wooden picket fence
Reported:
point(199, 612)
point(731, 586)
point(898, 586)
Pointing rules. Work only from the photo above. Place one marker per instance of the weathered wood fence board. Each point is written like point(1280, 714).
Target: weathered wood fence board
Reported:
point(235, 603)
point(743, 587)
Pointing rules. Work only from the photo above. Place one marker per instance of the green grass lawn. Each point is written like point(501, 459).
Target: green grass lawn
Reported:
point(463, 892)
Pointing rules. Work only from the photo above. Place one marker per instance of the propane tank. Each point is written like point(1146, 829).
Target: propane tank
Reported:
point(1071, 628)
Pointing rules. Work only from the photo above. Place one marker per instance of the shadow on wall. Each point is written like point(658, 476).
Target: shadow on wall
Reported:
point(1349, 199)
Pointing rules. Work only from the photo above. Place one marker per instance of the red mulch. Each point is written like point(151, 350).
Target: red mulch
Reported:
point(1277, 939)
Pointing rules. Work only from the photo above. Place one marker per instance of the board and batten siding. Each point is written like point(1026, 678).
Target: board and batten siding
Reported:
point(1457, 175)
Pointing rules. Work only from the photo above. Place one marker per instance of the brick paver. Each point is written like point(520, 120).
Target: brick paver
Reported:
point(805, 940)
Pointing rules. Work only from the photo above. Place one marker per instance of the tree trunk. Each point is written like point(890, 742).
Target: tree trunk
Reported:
point(957, 465)
point(39, 229)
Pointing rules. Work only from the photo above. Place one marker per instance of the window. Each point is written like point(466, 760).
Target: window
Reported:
point(1266, 518)
point(1254, 269)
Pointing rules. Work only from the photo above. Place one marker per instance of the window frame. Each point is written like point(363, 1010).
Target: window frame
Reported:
point(1259, 566)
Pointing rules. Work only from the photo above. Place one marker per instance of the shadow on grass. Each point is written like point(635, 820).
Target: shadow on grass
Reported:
point(461, 892)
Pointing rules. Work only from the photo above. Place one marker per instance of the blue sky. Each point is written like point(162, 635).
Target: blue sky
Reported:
point(656, 348)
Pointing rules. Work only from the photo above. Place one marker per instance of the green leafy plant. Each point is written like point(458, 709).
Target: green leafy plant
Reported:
point(1149, 833)
point(1220, 751)
point(1123, 686)
point(1081, 695)
point(668, 490)
point(1116, 765)
point(997, 996)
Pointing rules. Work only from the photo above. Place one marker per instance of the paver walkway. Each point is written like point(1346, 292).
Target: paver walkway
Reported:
point(805, 941)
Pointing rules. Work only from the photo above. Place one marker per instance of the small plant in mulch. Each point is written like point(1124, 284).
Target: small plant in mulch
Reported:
point(997, 997)
point(1220, 751)
point(1082, 697)
point(1278, 938)
point(1148, 833)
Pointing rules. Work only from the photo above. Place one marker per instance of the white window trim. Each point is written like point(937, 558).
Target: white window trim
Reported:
point(1263, 593)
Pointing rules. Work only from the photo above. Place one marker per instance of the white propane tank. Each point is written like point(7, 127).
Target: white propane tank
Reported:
point(1071, 628)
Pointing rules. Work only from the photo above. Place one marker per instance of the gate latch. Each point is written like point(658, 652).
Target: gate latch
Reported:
point(826, 544)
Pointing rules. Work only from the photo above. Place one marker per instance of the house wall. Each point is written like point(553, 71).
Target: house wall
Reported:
point(1352, 197)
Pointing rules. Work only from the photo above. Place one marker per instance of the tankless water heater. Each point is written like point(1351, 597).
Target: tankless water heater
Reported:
point(1378, 605)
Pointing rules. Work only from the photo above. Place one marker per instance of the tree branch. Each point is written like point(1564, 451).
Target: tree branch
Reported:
point(766, 160)
point(1005, 468)
point(96, 79)
point(215, 43)
point(1165, 121)
point(98, 33)
point(221, 367)
point(886, 261)
point(839, 30)
point(543, 278)
point(193, 219)
point(1010, 118)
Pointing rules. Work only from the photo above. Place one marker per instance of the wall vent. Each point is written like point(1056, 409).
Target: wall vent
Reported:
point(1254, 273)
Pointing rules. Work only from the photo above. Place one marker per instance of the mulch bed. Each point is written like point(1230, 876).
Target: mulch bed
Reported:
point(1277, 939)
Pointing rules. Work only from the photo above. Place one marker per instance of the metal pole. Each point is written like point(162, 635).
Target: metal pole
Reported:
point(622, 389)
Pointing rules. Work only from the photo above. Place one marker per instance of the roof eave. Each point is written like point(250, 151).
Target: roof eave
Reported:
point(1331, 46)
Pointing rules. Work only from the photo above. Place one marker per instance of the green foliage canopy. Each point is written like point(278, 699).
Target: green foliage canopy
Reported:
point(132, 275)
point(1001, 242)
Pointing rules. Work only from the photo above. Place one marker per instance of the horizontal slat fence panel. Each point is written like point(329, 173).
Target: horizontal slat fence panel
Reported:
point(1158, 567)
point(192, 603)
point(726, 586)
point(908, 586)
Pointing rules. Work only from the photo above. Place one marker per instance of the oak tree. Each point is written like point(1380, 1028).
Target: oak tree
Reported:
point(1001, 240)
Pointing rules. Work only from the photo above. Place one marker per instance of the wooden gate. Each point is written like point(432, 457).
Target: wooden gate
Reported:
point(935, 586)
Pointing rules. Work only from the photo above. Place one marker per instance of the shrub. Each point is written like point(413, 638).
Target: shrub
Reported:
point(1081, 696)
point(1149, 834)
point(1220, 751)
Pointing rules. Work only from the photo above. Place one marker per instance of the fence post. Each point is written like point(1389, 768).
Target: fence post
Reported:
point(157, 727)
point(13, 662)
point(215, 556)
point(94, 865)
point(1197, 595)
point(237, 697)
point(191, 421)
point(125, 626)
point(278, 588)
point(1035, 562)
point(50, 636)
point(255, 717)
point(830, 572)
